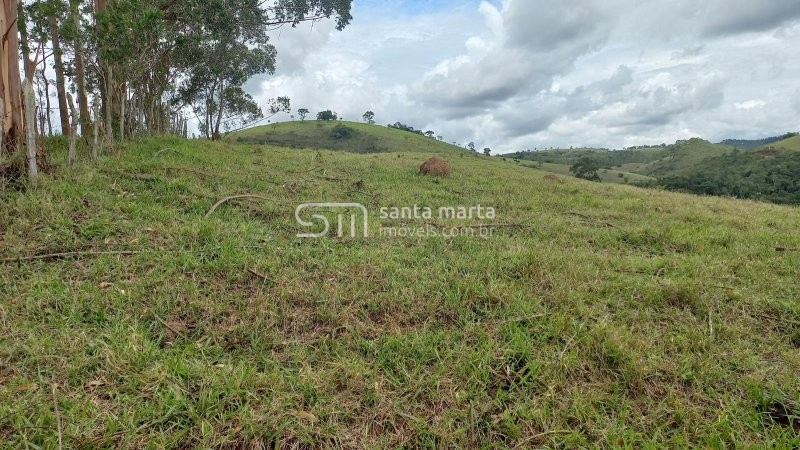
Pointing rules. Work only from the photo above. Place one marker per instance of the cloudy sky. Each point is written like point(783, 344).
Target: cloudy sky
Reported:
point(524, 74)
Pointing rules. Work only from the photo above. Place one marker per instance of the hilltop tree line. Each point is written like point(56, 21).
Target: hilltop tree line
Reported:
point(121, 67)
point(754, 143)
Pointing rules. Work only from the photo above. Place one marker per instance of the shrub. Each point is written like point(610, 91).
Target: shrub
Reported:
point(342, 132)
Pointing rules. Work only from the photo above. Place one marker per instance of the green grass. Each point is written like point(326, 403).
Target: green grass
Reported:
point(365, 138)
point(602, 315)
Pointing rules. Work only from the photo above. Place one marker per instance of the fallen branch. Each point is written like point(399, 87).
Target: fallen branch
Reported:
point(524, 443)
point(233, 197)
point(777, 318)
point(186, 169)
point(260, 275)
point(134, 176)
point(58, 417)
point(592, 219)
point(567, 346)
point(65, 255)
point(787, 249)
point(168, 326)
point(167, 149)
point(305, 171)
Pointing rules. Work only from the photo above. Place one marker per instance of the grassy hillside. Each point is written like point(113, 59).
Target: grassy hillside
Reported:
point(679, 158)
point(791, 144)
point(363, 138)
point(595, 314)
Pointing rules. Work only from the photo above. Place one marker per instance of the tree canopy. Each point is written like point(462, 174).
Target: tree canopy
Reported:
point(586, 168)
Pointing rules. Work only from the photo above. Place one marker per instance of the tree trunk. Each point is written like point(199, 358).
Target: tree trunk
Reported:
point(10, 83)
point(107, 83)
point(30, 144)
point(215, 136)
point(80, 73)
point(60, 83)
point(47, 98)
point(27, 64)
point(123, 98)
point(95, 132)
point(72, 155)
point(109, 102)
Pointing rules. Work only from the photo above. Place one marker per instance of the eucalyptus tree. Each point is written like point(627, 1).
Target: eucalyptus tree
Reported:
point(167, 56)
point(369, 117)
point(232, 46)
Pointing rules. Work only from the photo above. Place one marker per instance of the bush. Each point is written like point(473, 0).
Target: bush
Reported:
point(342, 132)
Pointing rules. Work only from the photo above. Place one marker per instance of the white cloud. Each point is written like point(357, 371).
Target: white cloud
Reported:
point(532, 73)
point(750, 104)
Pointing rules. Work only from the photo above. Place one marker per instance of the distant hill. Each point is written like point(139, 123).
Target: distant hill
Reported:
point(680, 158)
point(655, 161)
point(606, 158)
point(344, 136)
point(770, 172)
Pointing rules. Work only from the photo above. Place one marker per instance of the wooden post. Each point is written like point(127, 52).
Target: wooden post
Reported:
point(30, 129)
point(72, 154)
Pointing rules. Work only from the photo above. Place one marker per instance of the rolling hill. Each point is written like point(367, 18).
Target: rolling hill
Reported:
point(349, 136)
point(161, 298)
point(768, 173)
point(650, 162)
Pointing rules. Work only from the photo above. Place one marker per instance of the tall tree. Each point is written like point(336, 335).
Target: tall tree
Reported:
point(80, 71)
point(38, 27)
point(58, 66)
point(234, 48)
point(22, 25)
point(161, 57)
point(104, 71)
point(10, 82)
